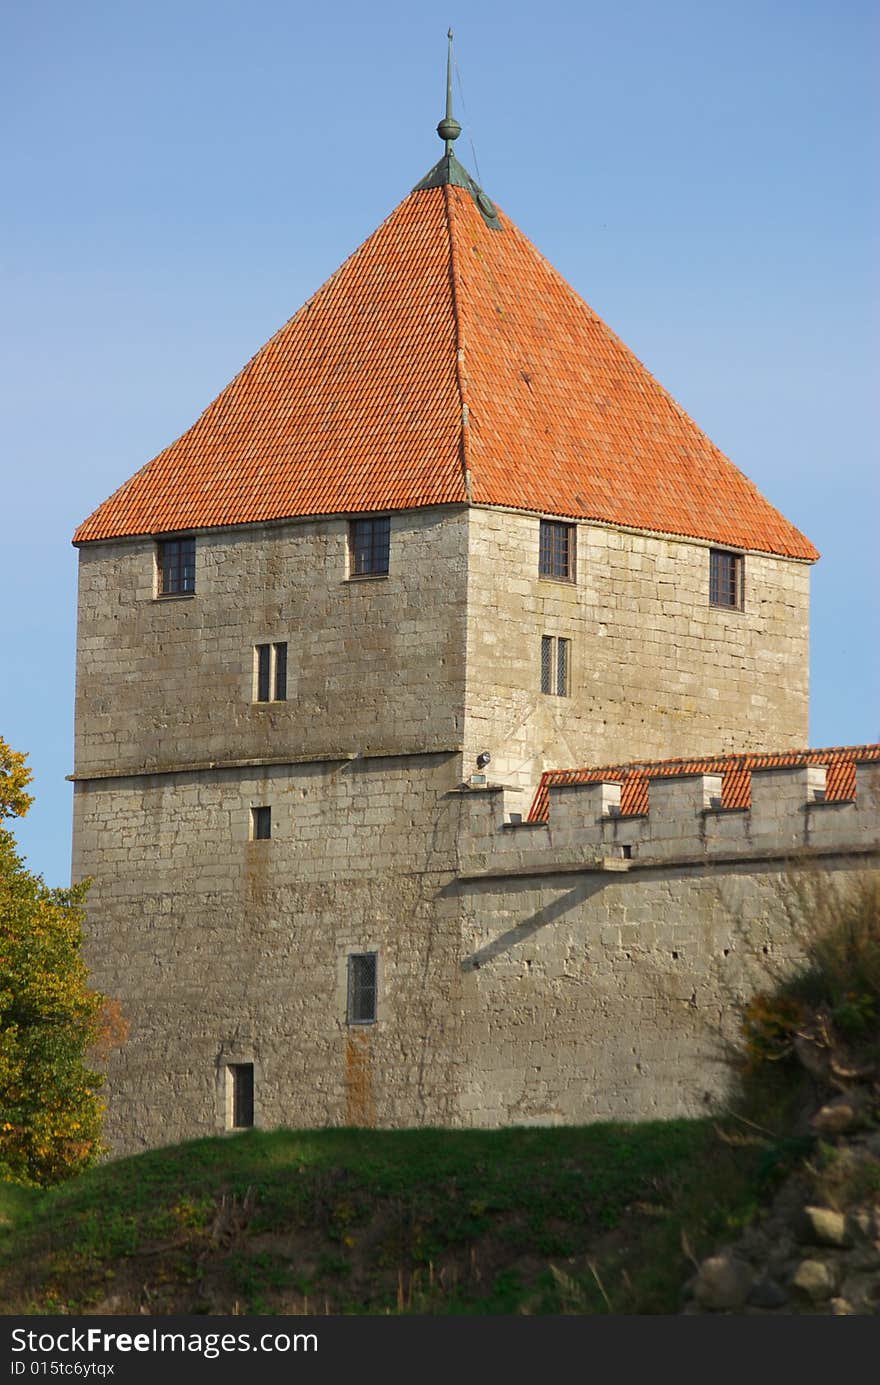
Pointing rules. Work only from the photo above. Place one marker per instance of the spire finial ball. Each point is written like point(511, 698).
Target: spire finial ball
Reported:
point(449, 128)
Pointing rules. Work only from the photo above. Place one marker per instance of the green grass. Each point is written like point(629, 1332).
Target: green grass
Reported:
point(578, 1219)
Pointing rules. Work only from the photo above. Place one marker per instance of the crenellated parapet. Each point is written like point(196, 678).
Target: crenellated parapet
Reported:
point(790, 816)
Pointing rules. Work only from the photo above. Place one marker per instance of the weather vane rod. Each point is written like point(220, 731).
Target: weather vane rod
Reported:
point(449, 128)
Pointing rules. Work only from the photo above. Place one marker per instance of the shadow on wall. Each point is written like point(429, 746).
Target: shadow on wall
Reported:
point(549, 914)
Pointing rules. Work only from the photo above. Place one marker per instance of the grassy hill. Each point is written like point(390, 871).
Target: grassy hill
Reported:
point(594, 1219)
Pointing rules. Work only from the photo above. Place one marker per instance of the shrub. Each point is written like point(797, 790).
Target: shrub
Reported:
point(831, 996)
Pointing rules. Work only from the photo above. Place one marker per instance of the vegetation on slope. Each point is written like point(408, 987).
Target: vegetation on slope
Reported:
point(600, 1219)
point(50, 1110)
point(590, 1219)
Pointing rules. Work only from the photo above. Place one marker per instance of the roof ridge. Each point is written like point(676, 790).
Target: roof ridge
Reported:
point(419, 373)
point(124, 499)
point(667, 395)
point(460, 377)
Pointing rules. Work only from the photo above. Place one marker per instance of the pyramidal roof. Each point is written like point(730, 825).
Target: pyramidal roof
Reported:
point(447, 362)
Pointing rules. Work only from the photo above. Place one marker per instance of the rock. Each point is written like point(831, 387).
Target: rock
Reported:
point(861, 1289)
point(815, 1279)
point(723, 1282)
point(766, 1293)
point(755, 1243)
point(827, 1228)
point(865, 1223)
point(845, 1112)
point(872, 1143)
point(840, 1308)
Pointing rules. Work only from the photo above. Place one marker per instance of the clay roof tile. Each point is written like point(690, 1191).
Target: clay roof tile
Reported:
point(446, 343)
point(735, 770)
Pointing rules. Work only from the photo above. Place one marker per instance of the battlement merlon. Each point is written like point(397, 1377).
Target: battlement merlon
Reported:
point(789, 817)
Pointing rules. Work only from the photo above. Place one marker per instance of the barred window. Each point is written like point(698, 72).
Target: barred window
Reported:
point(177, 566)
point(546, 663)
point(261, 824)
point(270, 672)
point(557, 550)
point(280, 652)
point(362, 987)
point(725, 579)
point(369, 546)
point(562, 668)
point(555, 666)
point(241, 1095)
point(264, 669)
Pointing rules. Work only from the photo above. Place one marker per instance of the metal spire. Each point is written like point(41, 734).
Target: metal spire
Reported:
point(449, 128)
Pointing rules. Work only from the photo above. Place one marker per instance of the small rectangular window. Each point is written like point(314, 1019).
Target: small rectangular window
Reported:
point(270, 672)
point(555, 666)
point(177, 566)
point(546, 663)
point(369, 547)
point(280, 672)
point(362, 971)
point(725, 579)
point(562, 667)
point(261, 824)
point(264, 671)
point(557, 550)
point(241, 1095)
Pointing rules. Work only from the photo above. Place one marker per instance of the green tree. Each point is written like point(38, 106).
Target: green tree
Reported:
point(50, 1110)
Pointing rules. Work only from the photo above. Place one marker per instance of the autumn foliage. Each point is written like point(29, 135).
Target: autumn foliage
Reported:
point(50, 1110)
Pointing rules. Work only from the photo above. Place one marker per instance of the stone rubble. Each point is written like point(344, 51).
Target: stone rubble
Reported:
point(801, 1256)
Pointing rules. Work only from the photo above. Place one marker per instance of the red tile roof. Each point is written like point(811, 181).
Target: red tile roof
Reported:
point(446, 361)
point(735, 770)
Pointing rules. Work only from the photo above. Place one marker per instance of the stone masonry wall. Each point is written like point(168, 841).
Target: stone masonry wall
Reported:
point(526, 974)
point(604, 957)
point(374, 664)
point(222, 949)
point(558, 973)
point(656, 671)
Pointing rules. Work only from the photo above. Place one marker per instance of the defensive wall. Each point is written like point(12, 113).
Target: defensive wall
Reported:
point(605, 956)
point(580, 969)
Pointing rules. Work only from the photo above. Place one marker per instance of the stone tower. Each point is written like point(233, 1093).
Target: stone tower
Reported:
point(444, 518)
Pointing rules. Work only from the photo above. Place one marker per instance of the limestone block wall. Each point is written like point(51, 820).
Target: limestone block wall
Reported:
point(584, 969)
point(375, 665)
point(609, 996)
point(656, 671)
point(224, 950)
point(604, 958)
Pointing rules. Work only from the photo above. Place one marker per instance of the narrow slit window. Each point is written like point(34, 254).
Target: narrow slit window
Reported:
point(546, 663)
point(261, 824)
point(362, 988)
point(562, 667)
point(555, 666)
point(241, 1095)
point(280, 672)
point(264, 672)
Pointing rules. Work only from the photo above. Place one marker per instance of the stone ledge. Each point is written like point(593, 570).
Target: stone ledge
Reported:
point(198, 766)
point(642, 863)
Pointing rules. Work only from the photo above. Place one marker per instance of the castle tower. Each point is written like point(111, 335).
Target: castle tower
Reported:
point(444, 511)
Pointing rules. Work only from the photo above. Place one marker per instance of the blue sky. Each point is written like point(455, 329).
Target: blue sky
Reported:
point(181, 176)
